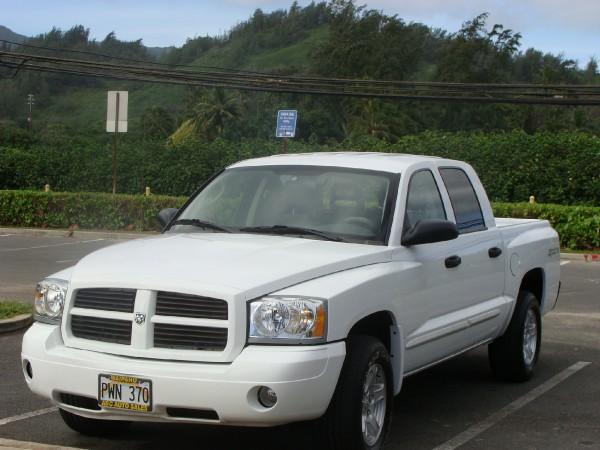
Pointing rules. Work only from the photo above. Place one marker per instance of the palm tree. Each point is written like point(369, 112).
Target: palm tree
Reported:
point(214, 110)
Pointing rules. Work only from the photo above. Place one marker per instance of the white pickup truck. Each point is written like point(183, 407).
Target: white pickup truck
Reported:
point(291, 288)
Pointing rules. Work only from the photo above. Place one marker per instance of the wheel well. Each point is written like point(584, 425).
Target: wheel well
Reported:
point(533, 281)
point(376, 325)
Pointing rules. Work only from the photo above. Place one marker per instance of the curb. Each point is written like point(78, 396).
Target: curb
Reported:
point(587, 257)
point(77, 233)
point(15, 323)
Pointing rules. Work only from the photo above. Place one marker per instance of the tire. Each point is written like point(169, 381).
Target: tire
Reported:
point(367, 363)
point(93, 427)
point(513, 356)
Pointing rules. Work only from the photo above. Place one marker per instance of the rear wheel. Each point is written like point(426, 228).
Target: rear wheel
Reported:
point(514, 355)
point(359, 414)
point(93, 427)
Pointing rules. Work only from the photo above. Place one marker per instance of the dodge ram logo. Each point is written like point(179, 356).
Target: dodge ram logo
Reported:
point(140, 318)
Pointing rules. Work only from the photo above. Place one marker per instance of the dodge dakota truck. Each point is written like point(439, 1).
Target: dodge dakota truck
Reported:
point(294, 288)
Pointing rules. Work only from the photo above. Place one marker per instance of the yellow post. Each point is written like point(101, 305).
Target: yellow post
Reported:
point(47, 188)
point(148, 191)
point(532, 200)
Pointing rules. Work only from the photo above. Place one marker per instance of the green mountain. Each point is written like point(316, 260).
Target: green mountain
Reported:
point(333, 39)
point(80, 102)
point(9, 35)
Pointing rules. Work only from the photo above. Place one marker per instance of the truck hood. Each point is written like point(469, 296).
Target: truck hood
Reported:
point(219, 264)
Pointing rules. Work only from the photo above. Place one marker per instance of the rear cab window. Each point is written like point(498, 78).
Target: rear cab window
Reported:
point(467, 210)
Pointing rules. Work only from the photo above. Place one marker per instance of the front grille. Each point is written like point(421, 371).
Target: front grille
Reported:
point(121, 300)
point(148, 323)
point(79, 401)
point(189, 337)
point(184, 305)
point(101, 329)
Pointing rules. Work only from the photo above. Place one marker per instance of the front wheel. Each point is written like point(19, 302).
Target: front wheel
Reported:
point(359, 414)
point(513, 356)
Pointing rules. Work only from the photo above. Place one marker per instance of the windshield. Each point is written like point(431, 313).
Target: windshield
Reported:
point(350, 204)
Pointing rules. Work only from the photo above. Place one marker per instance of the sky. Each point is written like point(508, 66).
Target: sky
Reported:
point(558, 26)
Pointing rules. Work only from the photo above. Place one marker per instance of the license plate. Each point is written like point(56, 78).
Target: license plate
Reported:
point(125, 392)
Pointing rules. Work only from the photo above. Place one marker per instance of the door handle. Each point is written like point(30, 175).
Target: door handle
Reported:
point(452, 261)
point(494, 252)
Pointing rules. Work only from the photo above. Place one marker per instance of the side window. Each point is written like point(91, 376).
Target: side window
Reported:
point(423, 200)
point(464, 201)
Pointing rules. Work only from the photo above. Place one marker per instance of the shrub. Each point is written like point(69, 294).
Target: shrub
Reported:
point(555, 167)
point(85, 209)
point(578, 226)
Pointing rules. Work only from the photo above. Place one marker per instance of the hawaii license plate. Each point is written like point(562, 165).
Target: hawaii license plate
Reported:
point(125, 392)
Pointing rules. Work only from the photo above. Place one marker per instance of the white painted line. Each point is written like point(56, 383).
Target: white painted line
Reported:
point(9, 443)
point(65, 261)
point(27, 415)
point(5, 235)
point(49, 245)
point(480, 427)
point(564, 263)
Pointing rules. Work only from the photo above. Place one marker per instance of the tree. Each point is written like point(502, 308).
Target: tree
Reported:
point(156, 123)
point(212, 111)
point(475, 55)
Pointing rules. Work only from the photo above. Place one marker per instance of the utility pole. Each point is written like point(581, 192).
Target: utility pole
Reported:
point(114, 161)
point(30, 102)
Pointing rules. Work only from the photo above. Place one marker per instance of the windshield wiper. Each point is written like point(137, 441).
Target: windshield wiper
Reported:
point(201, 224)
point(285, 229)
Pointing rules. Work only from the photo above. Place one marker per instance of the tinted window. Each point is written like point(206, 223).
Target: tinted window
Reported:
point(464, 200)
point(423, 200)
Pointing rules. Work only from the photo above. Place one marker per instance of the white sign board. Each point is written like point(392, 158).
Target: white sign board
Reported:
point(116, 114)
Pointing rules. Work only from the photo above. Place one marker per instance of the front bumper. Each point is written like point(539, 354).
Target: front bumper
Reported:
point(304, 378)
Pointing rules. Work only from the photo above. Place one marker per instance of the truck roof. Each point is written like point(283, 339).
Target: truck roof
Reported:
point(384, 162)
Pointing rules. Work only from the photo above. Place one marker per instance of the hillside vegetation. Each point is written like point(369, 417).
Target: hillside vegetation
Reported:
point(334, 39)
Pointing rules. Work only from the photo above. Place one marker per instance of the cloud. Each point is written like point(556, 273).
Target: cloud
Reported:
point(519, 14)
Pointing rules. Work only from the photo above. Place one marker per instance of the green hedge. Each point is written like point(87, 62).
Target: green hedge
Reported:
point(555, 167)
point(86, 210)
point(578, 226)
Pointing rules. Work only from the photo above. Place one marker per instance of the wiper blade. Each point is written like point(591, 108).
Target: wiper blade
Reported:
point(201, 224)
point(285, 229)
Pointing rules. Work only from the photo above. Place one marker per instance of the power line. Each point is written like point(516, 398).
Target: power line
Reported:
point(329, 80)
point(571, 95)
point(120, 58)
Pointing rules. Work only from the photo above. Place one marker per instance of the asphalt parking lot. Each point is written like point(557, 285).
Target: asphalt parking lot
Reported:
point(456, 404)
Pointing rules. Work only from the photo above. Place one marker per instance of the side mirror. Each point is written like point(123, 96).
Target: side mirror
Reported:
point(428, 231)
point(165, 216)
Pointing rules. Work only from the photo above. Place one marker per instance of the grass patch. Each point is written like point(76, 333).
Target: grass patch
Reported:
point(10, 309)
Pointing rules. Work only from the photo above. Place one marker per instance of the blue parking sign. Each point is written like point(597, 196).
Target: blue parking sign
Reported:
point(286, 123)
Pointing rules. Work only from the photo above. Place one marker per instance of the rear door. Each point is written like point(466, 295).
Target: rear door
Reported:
point(479, 253)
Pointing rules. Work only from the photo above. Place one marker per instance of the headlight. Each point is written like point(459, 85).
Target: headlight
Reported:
point(287, 320)
point(50, 295)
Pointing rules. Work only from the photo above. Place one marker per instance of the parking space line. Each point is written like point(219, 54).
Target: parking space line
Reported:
point(480, 427)
point(27, 415)
point(49, 245)
point(9, 443)
point(564, 263)
point(5, 235)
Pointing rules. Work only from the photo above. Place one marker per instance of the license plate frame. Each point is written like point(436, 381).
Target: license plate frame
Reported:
point(139, 385)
